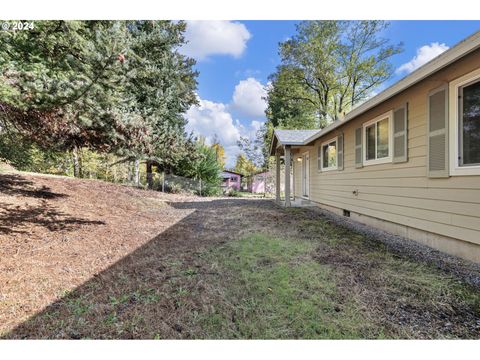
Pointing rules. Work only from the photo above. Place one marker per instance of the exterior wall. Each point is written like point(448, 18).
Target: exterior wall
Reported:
point(297, 168)
point(402, 193)
point(257, 184)
point(232, 182)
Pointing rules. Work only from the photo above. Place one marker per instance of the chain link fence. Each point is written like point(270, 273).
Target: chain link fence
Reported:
point(176, 184)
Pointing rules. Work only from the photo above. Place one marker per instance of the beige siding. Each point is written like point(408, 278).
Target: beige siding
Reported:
point(402, 193)
point(297, 168)
point(297, 175)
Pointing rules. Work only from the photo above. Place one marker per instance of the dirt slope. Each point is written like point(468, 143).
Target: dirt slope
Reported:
point(57, 232)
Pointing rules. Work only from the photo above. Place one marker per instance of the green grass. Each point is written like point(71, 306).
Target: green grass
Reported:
point(277, 290)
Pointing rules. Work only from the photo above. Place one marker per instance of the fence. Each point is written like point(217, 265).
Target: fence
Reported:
point(177, 184)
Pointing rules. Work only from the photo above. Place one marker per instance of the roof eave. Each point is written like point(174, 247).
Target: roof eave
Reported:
point(463, 48)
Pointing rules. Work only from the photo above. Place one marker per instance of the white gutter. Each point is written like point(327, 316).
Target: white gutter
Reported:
point(461, 49)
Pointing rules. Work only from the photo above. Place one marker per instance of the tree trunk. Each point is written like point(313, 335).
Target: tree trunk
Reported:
point(77, 162)
point(137, 172)
point(149, 174)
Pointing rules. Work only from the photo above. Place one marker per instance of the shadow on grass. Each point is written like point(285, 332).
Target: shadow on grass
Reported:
point(13, 218)
point(14, 184)
point(151, 293)
point(162, 289)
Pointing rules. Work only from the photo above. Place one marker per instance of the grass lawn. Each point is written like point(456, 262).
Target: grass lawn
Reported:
point(336, 289)
point(85, 259)
point(276, 289)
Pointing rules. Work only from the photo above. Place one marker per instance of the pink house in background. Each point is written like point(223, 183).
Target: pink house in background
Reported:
point(231, 180)
point(256, 183)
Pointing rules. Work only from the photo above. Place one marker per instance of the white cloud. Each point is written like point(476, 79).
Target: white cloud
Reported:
point(207, 38)
point(248, 98)
point(256, 125)
point(211, 119)
point(424, 55)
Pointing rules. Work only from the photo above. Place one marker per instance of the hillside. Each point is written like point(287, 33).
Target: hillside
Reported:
point(57, 232)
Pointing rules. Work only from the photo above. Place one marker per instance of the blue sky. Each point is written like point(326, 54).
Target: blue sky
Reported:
point(235, 58)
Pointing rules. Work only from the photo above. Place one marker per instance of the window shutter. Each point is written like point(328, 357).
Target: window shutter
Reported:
point(340, 152)
point(358, 148)
point(319, 158)
point(400, 134)
point(437, 131)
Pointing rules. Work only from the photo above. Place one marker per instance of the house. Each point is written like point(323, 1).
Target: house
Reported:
point(256, 183)
point(264, 182)
point(231, 180)
point(406, 161)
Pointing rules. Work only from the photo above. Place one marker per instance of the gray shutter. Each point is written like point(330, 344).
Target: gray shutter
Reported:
point(400, 134)
point(340, 152)
point(319, 157)
point(358, 148)
point(437, 133)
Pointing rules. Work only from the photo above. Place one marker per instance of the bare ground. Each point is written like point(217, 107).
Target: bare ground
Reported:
point(89, 259)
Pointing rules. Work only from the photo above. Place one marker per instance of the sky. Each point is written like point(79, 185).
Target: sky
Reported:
point(235, 59)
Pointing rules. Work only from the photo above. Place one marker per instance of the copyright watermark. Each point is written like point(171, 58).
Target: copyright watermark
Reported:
point(16, 25)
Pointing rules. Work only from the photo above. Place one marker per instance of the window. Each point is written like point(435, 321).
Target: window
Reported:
point(329, 155)
point(469, 124)
point(464, 125)
point(378, 140)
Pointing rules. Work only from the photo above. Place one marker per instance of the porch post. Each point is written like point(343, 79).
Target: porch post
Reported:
point(287, 175)
point(277, 181)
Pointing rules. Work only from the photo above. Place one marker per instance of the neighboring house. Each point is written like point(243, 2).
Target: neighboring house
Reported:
point(231, 180)
point(406, 161)
point(256, 183)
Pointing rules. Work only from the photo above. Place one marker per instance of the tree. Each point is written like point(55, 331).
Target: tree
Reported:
point(110, 86)
point(244, 166)
point(255, 150)
point(163, 86)
point(219, 151)
point(327, 68)
point(290, 104)
point(63, 85)
point(202, 165)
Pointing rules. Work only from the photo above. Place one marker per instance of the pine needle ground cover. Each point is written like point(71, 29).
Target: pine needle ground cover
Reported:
point(82, 259)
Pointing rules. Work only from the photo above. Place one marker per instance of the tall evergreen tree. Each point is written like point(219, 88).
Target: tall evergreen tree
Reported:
point(64, 85)
point(163, 84)
point(111, 86)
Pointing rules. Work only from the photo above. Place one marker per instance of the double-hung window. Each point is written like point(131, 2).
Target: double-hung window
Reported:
point(329, 155)
point(464, 125)
point(377, 140)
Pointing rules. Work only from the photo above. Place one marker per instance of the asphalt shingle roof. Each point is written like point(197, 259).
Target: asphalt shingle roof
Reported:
point(293, 137)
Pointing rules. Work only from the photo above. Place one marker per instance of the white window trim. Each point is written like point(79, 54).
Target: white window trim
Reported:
point(307, 169)
point(330, 168)
point(388, 159)
point(455, 168)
